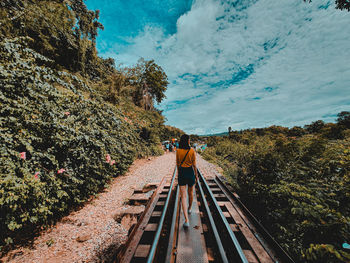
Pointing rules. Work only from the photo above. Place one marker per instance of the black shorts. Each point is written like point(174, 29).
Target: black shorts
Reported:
point(186, 176)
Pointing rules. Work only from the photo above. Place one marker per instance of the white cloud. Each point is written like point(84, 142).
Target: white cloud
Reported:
point(292, 57)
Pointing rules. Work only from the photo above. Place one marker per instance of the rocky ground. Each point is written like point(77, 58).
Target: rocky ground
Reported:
point(93, 233)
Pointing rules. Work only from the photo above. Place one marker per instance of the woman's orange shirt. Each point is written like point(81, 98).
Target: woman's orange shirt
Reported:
point(190, 158)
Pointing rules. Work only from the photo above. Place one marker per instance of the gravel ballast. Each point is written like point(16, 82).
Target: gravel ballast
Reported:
point(92, 234)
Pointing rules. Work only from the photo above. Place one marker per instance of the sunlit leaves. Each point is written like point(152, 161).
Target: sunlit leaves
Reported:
point(298, 184)
point(53, 140)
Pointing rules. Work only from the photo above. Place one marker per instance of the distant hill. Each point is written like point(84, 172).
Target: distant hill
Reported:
point(215, 134)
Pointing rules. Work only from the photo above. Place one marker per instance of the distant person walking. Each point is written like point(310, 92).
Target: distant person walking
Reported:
point(167, 147)
point(187, 174)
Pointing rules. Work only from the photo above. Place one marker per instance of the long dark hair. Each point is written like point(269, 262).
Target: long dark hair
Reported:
point(184, 142)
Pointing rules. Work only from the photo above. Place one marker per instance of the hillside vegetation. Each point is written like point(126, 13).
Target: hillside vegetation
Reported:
point(69, 120)
point(296, 181)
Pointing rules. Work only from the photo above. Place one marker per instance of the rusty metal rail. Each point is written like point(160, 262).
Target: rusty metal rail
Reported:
point(254, 224)
point(141, 238)
point(234, 244)
point(161, 222)
point(171, 250)
point(221, 230)
point(213, 226)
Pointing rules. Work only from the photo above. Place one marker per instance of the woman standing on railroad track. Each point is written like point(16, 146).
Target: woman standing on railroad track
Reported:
point(187, 173)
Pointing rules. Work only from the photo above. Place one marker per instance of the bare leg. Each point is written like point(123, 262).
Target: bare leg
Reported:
point(190, 195)
point(183, 195)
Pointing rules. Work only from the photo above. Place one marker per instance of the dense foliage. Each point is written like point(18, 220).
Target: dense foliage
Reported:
point(65, 32)
point(297, 181)
point(69, 121)
point(340, 4)
point(150, 81)
point(59, 123)
point(170, 132)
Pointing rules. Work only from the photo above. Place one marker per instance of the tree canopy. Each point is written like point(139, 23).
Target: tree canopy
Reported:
point(149, 81)
point(340, 4)
point(63, 30)
point(344, 119)
point(295, 181)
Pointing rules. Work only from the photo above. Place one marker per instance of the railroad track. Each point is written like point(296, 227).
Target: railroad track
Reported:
point(221, 229)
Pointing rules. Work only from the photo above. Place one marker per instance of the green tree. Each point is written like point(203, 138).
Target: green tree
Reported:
point(154, 79)
point(88, 24)
point(344, 119)
point(340, 4)
point(315, 126)
point(150, 82)
point(296, 131)
point(343, 4)
point(64, 31)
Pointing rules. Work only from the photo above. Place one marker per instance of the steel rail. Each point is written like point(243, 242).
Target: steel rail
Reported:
point(127, 252)
point(152, 252)
point(172, 238)
point(213, 226)
point(281, 253)
point(233, 238)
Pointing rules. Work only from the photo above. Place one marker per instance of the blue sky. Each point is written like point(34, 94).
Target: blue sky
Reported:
point(242, 63)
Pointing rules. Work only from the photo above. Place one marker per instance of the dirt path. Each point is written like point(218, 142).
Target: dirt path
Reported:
point(84, 234)
point(91, 234)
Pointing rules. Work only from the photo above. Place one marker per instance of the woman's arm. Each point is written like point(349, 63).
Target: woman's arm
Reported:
point(195, 172)
point(177, 163)
point(194, 164)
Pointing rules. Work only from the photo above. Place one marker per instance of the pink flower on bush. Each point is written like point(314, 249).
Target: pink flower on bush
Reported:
point(112, 162)
point(23, 155)
point(61, 171)
point(108, 158)
point(125, 118)
point(36, 175)
point(67, 113)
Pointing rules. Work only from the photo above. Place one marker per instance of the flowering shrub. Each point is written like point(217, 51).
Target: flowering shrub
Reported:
point(299, 187)
point(56, 135)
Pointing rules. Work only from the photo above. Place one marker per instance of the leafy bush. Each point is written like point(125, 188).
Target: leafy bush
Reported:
point(170, 132)
point(298, 186)
point(64, 31)
point(57, 135)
